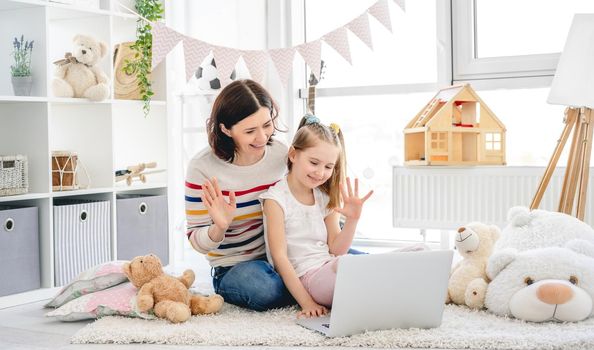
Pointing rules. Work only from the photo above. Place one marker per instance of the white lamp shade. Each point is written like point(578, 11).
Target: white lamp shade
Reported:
point(573, 84)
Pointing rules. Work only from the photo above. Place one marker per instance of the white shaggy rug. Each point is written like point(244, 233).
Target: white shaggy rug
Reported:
point(461, 329)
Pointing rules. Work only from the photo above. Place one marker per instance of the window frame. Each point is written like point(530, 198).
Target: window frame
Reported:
point(468, 67)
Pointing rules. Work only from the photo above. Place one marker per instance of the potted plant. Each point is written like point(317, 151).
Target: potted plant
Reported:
point(21, 70)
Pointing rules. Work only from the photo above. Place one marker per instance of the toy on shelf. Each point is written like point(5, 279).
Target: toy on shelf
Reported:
point(65, 171)
point(136, 172)
point(79, 74)
point(455, 128)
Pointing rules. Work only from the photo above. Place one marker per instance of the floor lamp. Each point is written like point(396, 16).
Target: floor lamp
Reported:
point(573, 86)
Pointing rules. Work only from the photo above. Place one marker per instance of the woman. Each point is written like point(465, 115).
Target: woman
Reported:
point(223, 184)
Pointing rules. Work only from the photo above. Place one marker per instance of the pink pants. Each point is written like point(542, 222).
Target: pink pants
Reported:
point(320, 282)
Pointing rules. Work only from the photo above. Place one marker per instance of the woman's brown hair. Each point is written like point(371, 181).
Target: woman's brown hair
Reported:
point(310, 132)
point(236, 101)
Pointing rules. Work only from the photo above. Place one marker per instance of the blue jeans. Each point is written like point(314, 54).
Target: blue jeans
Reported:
point(254, 285)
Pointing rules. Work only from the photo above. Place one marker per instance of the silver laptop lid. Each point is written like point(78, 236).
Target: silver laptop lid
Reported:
point(393, 290)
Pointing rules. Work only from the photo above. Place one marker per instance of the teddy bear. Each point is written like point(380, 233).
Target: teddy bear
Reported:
point(167, 295)
point(542, 268)
point(468, 279)
point(78, 74)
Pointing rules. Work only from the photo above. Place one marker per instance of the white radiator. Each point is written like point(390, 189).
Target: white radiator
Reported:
point(448, 197)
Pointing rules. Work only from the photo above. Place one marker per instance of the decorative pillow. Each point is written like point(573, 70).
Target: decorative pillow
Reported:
point(94, 279)
point(119, 300)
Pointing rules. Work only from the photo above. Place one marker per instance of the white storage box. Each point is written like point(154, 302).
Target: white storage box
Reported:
point(82, 237)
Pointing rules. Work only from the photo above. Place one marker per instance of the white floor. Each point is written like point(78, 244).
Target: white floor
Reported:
point(25, 327)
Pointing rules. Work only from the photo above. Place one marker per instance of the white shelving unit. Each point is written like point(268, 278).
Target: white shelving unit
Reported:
point(107, 135)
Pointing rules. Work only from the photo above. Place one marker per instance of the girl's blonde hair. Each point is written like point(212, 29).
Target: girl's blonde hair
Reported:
point(311, 131)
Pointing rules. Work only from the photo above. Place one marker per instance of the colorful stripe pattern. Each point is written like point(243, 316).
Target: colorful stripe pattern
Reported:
point(244, 240)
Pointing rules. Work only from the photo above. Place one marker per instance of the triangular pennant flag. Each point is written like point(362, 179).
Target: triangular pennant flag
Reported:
point(225, 59)
point(255, 62)
point(194, 52)
point(401, 4)
point(360, 27)
point(311, 53)
point(164, 40)
point(339, 41)
point(381, 12)
point(283, 62)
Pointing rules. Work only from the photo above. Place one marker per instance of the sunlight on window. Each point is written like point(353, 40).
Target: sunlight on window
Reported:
point(408, 55)
point(511, 27)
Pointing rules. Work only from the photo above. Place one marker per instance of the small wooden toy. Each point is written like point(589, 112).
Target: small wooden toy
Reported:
point(455, 128)
point(136, 172)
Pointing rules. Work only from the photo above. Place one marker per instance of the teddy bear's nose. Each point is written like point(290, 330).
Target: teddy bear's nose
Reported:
point(84, 52)
point(554, 293)
point(461, 229)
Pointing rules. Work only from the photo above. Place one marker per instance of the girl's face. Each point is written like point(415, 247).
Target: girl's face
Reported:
point(251, 134)
point(313, 166)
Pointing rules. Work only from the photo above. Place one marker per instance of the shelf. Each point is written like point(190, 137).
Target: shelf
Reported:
point(74, 101)
point(68, 11)
point(23, 197)
point(138, 187)
point(59, 194)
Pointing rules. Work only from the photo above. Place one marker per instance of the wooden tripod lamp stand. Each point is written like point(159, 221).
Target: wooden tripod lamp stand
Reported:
point(573, 86)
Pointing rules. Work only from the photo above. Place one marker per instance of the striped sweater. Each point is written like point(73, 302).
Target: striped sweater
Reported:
point(244, 240)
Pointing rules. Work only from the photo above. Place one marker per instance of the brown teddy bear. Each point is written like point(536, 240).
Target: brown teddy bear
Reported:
point(167, 295)
point(78, 74)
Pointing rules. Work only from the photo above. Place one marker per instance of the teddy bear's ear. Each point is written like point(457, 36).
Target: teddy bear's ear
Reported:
point(76, 38)
point(495, 232)
point(498, 261)
point(127, 270)
point(581, 246)
point(103, 48)
point(518, 216)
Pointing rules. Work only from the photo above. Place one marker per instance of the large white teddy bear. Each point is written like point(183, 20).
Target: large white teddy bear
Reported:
point(542, 268)
point(78, 74)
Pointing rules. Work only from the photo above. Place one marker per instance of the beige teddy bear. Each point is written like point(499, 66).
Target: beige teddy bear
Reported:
point(468, 280)
point(78, 74)
point(167, 295)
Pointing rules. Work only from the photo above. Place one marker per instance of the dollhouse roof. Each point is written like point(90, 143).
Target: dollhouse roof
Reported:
point(451, 94)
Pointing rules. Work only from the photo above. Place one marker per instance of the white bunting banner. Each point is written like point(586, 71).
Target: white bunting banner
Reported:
point(339, 41)
point(312, 55)
point(360, 27)
point(381, 12)
point(283, 62)
point(256, 62)
point(225, 59)
point(164, 40)
point(195, 51)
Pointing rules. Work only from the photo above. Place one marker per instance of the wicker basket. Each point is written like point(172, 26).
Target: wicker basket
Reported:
point(14, 178)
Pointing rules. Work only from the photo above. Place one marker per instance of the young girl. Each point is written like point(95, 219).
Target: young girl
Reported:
point(301, 214)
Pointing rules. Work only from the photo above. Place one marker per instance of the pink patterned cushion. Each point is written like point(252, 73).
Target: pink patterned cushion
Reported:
point(119, 300)
point(94, 279)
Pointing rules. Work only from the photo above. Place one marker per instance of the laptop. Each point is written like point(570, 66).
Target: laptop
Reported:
point(386, 291)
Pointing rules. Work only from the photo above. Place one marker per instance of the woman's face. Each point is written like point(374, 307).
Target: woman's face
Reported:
point(252, 133)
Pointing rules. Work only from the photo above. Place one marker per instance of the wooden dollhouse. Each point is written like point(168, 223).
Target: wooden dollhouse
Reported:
point(455, 128)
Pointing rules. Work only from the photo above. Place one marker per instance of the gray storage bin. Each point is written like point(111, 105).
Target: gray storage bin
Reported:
point(19, 250)
point(142, 226)
point(81, 237)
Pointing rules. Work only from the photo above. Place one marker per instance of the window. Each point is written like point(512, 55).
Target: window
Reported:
point(396, 58)
point(439, 141)
point(506, 38)
point(493, 141)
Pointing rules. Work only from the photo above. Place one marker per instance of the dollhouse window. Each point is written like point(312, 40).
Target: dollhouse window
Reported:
point(439, 141)
point(493, 141)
